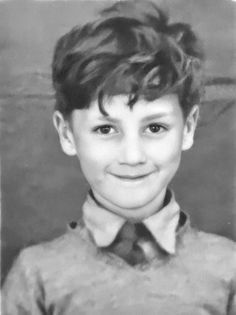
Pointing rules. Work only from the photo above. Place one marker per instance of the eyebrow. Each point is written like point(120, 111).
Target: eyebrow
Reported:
point(155, 116)
point(108, 118)
point(146, 118)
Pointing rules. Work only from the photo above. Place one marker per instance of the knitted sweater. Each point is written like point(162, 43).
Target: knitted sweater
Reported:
point(71, 276)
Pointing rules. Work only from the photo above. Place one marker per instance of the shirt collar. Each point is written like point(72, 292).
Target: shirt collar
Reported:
point(105, 225)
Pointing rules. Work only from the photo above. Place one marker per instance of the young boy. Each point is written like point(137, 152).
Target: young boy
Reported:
point(127, 88)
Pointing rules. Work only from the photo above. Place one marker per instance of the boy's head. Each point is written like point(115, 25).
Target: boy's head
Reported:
point(127, 86)
point(131, 49)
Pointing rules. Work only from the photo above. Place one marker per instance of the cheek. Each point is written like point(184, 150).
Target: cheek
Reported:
point(166, 151)
point(94, 158)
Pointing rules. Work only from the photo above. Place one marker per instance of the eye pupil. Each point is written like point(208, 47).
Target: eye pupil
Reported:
point(154, 128)
point(105, 129)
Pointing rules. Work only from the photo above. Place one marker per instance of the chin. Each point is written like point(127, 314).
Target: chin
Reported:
point(130, 202)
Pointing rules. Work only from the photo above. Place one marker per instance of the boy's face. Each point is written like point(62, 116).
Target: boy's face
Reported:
point(130, 156)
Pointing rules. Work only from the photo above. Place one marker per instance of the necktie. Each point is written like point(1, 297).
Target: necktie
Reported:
point(134, 244)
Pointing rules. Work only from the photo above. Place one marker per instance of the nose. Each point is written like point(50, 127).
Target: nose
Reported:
point(132, 151)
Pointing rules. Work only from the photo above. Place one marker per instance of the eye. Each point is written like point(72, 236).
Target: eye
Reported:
point(155, 128)
point(105, 129)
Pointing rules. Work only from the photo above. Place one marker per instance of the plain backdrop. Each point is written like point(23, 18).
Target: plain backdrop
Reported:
point(42, 189)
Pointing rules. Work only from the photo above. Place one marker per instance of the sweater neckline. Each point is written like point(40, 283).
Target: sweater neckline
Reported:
point(79, 230)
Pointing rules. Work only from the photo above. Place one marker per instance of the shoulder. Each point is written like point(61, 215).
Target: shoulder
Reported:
point(42, 253)
point(215, 244)
point(212, 252)
point(50, 268)
point(51, 257)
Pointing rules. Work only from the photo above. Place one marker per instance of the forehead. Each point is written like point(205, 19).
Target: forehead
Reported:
point(116, 108)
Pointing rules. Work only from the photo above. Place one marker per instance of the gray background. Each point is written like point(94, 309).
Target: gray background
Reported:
point(42, 189)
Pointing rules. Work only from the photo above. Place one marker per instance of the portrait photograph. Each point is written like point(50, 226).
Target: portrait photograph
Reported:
point(118, 157)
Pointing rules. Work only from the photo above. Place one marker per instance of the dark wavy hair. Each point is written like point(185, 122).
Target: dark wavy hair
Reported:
point(130, 49)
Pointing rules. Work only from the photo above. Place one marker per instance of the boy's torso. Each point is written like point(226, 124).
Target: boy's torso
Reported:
point(77, 278)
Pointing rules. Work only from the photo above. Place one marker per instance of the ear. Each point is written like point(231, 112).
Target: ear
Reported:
point(65, 134)
point(190, 127)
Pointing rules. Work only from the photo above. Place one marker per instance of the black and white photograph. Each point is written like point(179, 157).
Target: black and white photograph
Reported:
point(118, 157)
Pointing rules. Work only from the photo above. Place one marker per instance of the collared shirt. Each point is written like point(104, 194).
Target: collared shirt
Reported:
point(104, 225)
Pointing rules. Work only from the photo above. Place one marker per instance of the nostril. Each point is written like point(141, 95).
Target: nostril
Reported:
point(73, 224)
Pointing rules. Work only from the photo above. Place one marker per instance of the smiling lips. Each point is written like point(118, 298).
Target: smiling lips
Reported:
point(131, 178)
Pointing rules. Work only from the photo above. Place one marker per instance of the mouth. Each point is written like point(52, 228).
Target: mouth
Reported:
point(132, 178)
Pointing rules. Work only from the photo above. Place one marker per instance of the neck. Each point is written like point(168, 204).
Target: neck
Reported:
point(134, 214)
